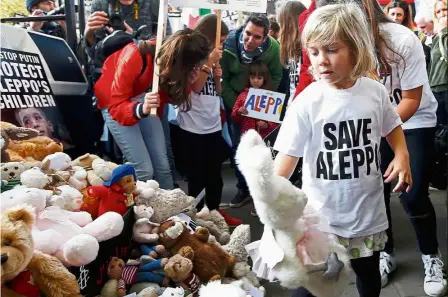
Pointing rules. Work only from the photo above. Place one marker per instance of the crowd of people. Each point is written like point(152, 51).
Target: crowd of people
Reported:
point(386, 82)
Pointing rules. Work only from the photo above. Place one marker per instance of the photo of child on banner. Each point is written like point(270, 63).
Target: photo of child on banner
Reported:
point(26, 96)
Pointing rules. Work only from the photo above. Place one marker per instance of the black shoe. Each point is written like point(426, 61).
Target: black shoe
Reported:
point(241, 198)
point(253, 212)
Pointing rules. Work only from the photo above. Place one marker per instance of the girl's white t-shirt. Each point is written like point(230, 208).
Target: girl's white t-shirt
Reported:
point(408, 72)
point(338, 134)
point(204, 116)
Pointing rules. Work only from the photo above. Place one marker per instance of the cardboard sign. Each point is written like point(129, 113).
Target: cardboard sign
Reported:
point(264, 105)
point(243, 5)
point(27, 99)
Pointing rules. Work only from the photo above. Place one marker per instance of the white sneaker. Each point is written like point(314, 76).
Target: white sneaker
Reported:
point(435, 278)
point(387, 266)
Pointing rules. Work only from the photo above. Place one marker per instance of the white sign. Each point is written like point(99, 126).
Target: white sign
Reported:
point(243, 5)
point(264, 105)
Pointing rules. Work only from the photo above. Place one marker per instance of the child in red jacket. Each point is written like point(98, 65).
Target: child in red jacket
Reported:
point(258, 78)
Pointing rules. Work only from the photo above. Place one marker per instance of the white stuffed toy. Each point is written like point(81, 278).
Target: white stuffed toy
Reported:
point(144, 231)
point(242, 272)
point(217, 289)
point(61, 162)
point(34, 178)
point(292, 248)
point(70, 236)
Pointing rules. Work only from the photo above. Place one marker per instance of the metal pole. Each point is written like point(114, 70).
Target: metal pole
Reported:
point(81, 17)
point(33, 18)
point(72, 40)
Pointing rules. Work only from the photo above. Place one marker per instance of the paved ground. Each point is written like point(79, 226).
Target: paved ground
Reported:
point(407, 281)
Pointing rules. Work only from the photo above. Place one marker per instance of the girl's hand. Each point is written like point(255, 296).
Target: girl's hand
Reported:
point(217, 72)
point(242, 111)
point(152, 100)
point(215, 55)
point(400, 167)
point(262, 125)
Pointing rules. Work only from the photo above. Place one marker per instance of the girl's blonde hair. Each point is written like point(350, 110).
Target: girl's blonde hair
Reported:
point(435, 7)
point(347, 23)
point(289, 35)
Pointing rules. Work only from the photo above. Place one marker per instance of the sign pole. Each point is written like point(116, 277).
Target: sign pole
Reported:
point(161, 27)
point(218, 28)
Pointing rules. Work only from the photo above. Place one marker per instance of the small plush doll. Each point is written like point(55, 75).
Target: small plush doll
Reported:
point(179, 269)
point(144, 231)
point(136, 272)
point(113, 195)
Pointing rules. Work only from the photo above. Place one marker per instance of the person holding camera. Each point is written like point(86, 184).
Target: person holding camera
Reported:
point(41, 8)
point(127, 15)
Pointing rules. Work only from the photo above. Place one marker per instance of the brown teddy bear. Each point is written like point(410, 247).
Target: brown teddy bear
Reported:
point(24, 271)
point(179, 269)
point(10, 132)
point(133, 272)
point(210, 261)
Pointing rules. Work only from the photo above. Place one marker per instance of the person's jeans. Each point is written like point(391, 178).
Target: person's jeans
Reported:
point(169, 149)
point(416, 203)
point(442, 109)
point(143, 145)
point(235, 134)
point(368, 277)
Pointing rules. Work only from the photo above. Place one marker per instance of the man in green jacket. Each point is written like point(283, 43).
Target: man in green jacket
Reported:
point(244, 46)
point(248, 44)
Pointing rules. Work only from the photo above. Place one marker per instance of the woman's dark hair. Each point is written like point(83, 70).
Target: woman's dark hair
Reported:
point(260, 69)
point(375, 16)
point(179, 55)
point(407, 10)
point(207, 26)
point(259, 20)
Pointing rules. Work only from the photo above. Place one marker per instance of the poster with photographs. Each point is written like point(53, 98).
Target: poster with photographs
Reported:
point(26, 96)
point(242, 5)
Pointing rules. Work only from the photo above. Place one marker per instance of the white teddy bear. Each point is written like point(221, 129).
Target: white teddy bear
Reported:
point(70, 236)
point(217, 289)
point(280, 207)
point(60, 163)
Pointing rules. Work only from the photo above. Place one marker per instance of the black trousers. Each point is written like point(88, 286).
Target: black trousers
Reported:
point(203, 160)
point(368, 277)
point(416, 203)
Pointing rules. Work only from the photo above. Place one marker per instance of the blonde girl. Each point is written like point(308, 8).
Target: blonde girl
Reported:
point(336, 125)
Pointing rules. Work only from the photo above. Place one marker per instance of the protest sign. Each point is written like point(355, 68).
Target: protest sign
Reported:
point(243, 5)
point(26, 98)
point(264, 105)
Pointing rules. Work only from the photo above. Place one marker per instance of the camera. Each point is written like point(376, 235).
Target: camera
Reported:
point(116, 21)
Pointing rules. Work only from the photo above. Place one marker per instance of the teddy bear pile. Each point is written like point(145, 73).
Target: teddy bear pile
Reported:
point(56, 213)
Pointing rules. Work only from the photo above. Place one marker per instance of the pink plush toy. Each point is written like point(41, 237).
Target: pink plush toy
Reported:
point(70, 236)
point(144, 231)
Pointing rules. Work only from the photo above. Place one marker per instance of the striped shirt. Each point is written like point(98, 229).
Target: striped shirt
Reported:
point(127, 276)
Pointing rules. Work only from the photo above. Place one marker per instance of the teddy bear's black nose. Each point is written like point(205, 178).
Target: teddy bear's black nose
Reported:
point(12, 174)
point(4, 258)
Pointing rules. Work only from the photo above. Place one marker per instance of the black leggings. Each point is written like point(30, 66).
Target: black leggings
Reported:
point(368, 278)
point(203, 159)
point(416, 203)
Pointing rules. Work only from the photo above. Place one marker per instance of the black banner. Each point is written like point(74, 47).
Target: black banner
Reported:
point(26, 96)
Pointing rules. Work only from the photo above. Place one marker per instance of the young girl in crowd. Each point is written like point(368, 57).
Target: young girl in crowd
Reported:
point(141, 138)
point(258, 78)
point(201, 126)
point(336, 125)
point(402, 60)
